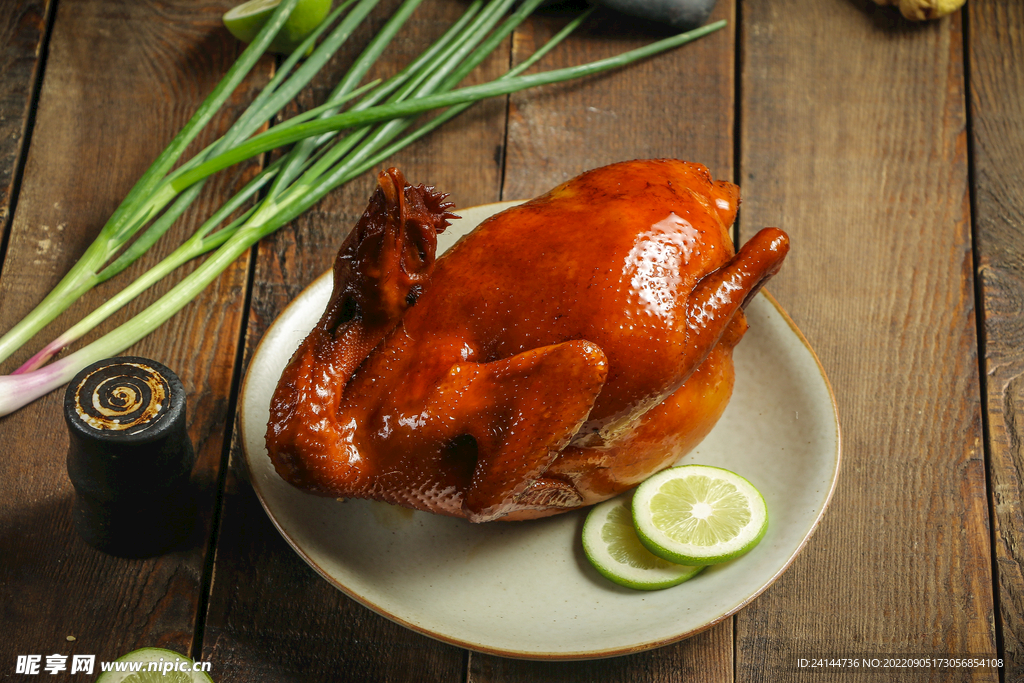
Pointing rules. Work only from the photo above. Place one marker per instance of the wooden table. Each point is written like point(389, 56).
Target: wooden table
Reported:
point(892, 153)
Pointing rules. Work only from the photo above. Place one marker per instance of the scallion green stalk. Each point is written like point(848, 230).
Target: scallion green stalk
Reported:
point(273, 139)
point(108, 255)
point(319, 162)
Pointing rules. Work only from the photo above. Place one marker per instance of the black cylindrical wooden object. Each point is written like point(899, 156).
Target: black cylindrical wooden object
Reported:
point(129, 457)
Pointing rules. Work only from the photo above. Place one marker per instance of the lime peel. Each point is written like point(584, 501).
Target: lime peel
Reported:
point(245, 21)
point(611, 544)
point(699, 515)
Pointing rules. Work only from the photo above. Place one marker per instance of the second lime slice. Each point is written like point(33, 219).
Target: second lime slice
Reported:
point(153, 665)
point(611, 545)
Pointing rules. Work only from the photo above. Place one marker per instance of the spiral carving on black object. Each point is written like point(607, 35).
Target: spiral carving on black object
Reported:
point(126, 397)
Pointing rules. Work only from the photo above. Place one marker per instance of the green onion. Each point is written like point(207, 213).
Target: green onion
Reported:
point(98, 263)
point(319, 161)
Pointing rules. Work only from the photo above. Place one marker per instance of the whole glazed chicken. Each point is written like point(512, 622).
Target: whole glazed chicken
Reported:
point(558, 355)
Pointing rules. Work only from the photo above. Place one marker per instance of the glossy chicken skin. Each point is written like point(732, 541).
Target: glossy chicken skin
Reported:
point(564, 351)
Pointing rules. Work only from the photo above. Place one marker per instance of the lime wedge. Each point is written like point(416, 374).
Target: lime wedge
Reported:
point(611, 545)
point(246, 20)
point(696, 514)
point(154, 665)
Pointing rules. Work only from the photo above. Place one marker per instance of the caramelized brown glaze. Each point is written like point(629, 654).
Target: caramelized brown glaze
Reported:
point(561, 353)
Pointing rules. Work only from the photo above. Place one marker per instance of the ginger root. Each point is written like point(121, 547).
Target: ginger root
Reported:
point(919, 10)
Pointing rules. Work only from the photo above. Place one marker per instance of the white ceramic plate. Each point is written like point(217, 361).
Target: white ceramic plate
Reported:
point(525, 589)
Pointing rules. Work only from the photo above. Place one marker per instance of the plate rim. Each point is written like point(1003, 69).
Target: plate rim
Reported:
point(511, 653)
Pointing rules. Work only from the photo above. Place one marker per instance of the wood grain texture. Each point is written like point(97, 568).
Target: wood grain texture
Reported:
point(704, 657)
point(271, 617)
point(853, 140)
point(852, 137)
point(678, 105)
point(996, 52)
point(22, 37)
point(121, 79)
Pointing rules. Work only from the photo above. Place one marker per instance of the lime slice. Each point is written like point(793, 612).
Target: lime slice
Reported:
point(696, 514)
point(154, 665)
point(611, 545)
point(246, 20)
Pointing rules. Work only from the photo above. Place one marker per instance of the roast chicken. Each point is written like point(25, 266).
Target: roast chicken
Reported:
point(558, 355)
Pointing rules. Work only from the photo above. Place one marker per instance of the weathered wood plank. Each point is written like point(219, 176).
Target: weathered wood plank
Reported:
point(704, 657)
point(996, 51)
point(853, 139)
point(23, 31)
point(121, 79)
point(677, 105)
point(271, 617)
